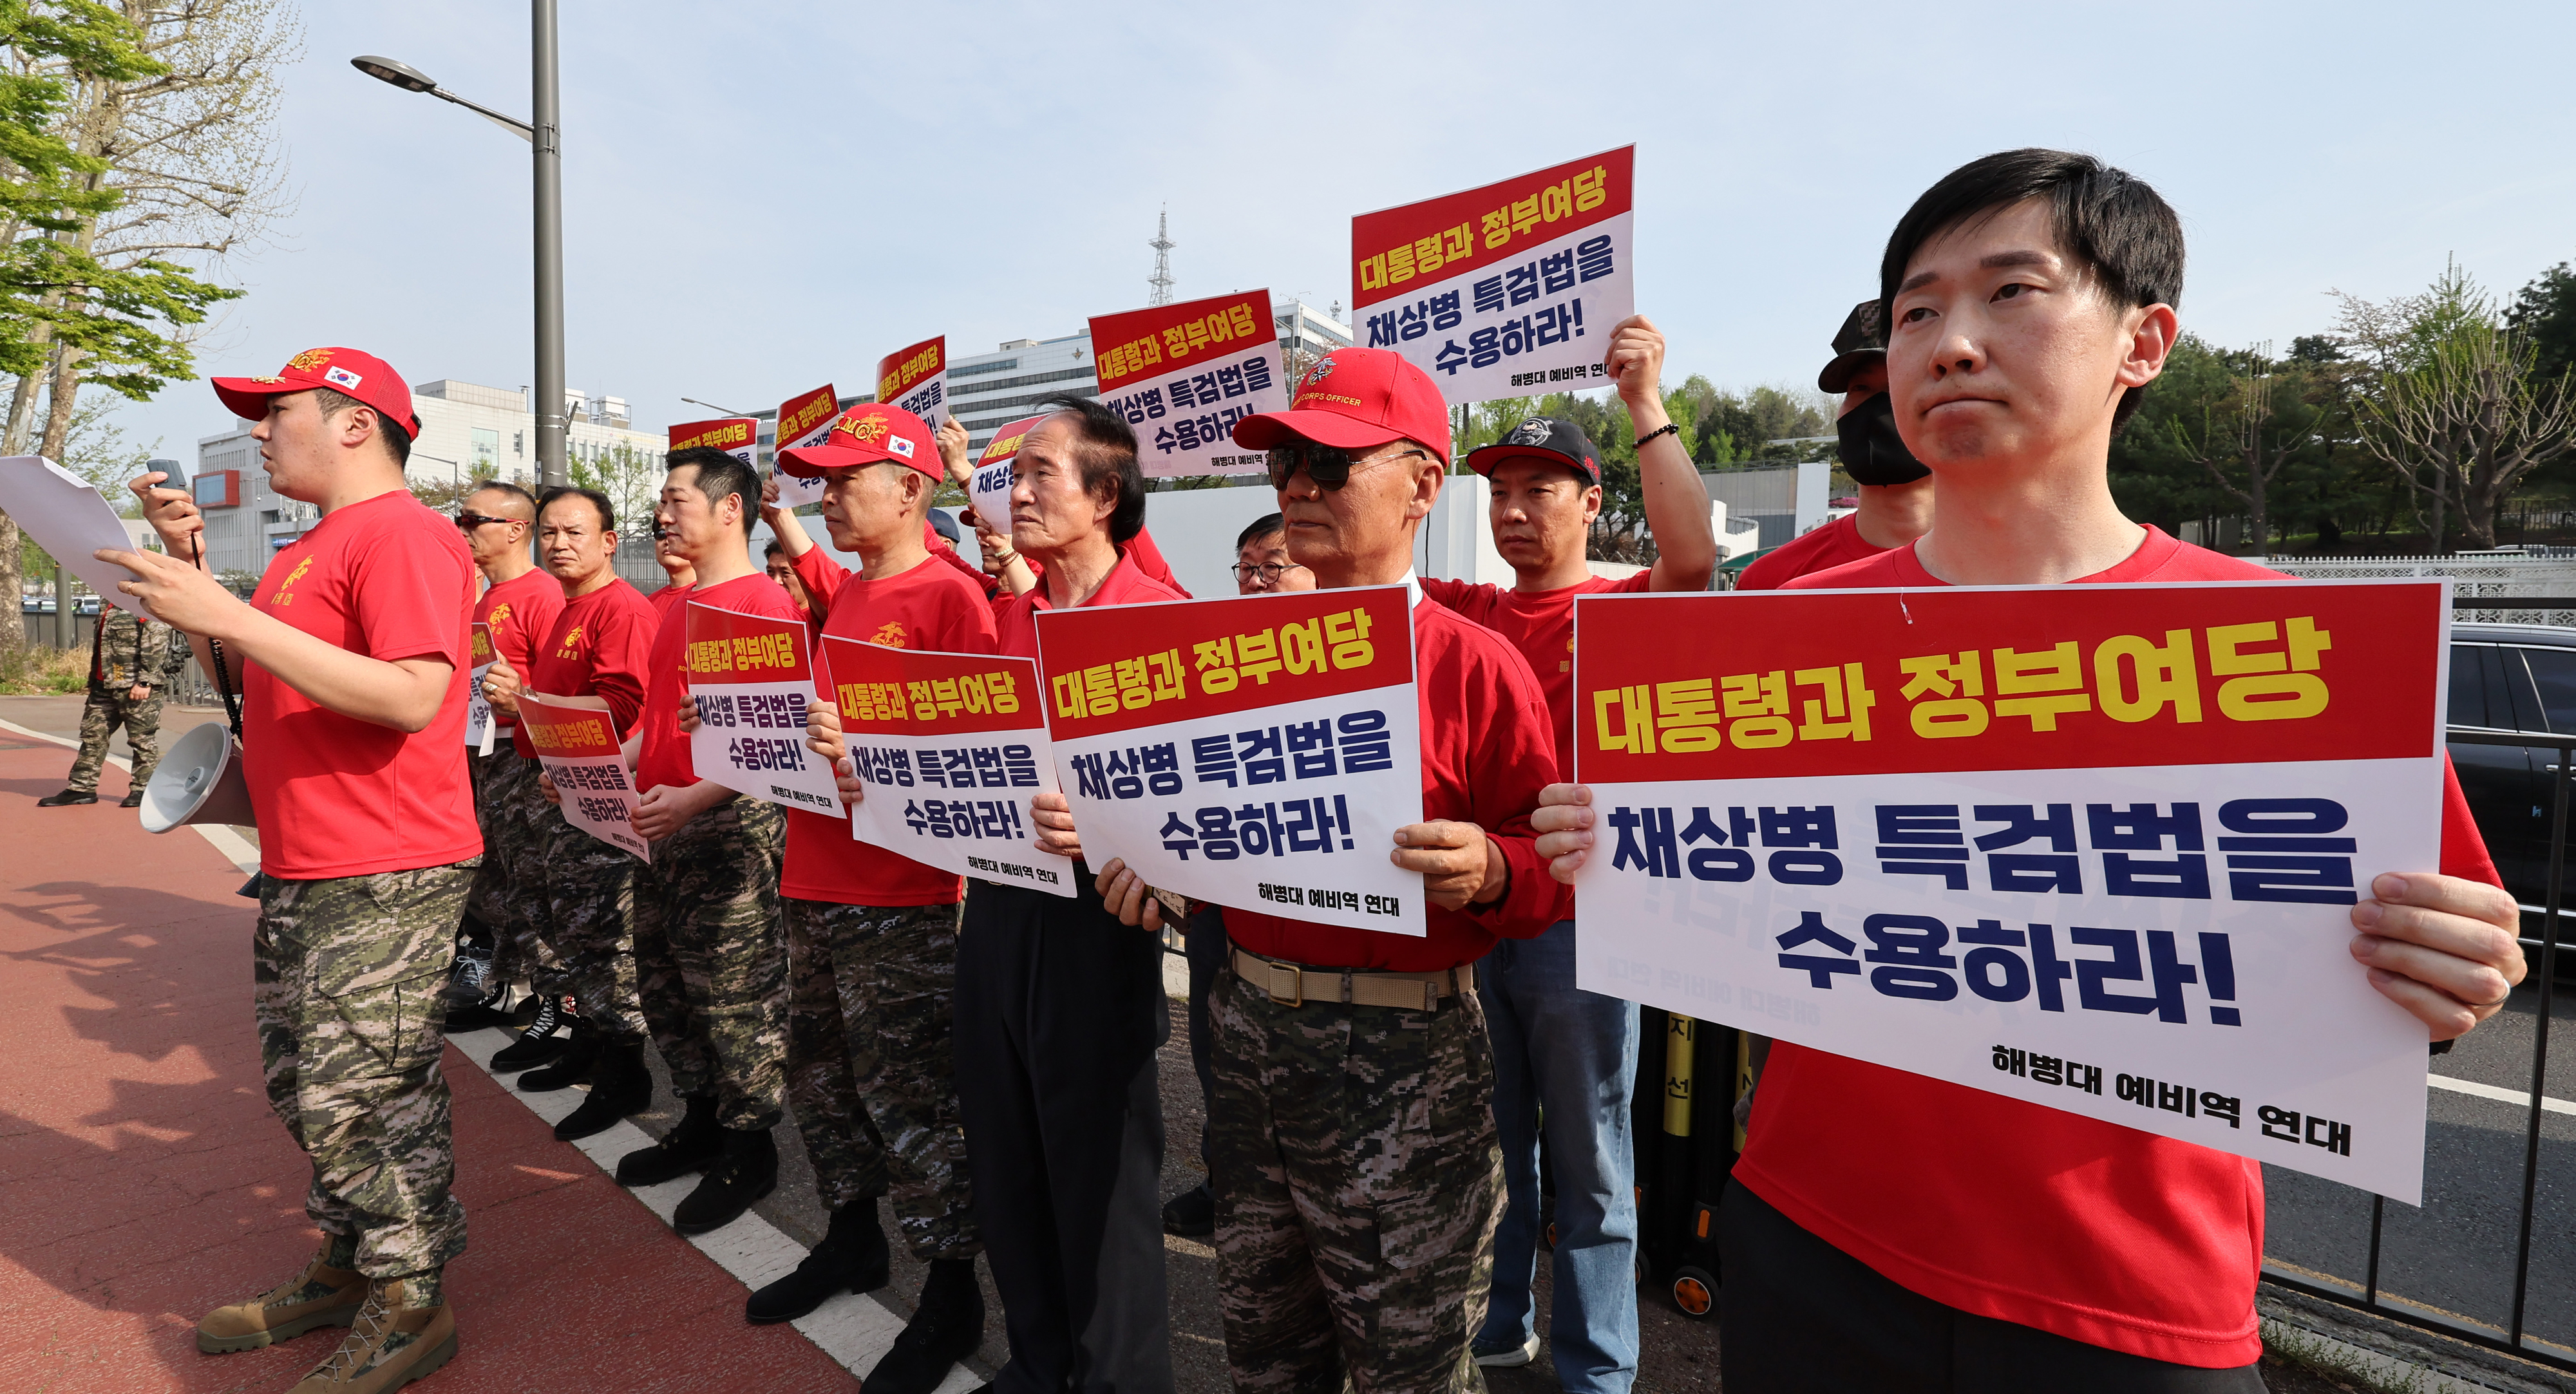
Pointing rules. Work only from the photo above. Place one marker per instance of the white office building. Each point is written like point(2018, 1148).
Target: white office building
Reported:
point(467, 431)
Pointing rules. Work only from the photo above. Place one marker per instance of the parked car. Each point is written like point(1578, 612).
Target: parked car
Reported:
point(2516, 678)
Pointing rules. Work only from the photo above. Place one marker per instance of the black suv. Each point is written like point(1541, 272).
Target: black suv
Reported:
point(2515, 678)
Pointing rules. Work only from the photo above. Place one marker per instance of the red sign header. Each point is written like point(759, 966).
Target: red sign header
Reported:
point(725, 433)
point(1396, 251)
point(727, 646)
point(1151, 342)
point(909, 692)
point(898, 372)
point(800, 416)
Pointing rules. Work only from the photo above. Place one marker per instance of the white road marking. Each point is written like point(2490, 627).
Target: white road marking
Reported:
point(2516, 1097)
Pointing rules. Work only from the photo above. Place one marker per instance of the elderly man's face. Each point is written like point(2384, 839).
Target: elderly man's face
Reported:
point(1050, 510)
point(1330, 530)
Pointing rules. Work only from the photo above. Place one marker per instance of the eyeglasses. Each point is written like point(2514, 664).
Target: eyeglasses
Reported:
point(468, 522)
point(1328, 465)
point(1269, 571)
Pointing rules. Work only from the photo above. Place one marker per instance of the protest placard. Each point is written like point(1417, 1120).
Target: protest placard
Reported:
point(1257, 751)
point(752, 677)
point(1183, 374)
point(990, 490)
point(915, 378)
point(804, 420)
point(576, 741)
point(952, 746)
point(738, 436)
point(1505, 291)
point(2093, 847)
point(480, 728)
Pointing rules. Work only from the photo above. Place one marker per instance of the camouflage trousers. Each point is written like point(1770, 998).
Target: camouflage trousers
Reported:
point(347, 977)
point(107, 709)
point(513, 871)
point(871, 1064)
point(581, 892)
point(710, 963)
point(1354, 1160)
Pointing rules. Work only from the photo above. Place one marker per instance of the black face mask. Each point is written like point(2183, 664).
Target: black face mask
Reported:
point(1870, 449)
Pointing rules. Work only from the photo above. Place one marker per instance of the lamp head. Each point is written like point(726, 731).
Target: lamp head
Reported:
point(402, 75)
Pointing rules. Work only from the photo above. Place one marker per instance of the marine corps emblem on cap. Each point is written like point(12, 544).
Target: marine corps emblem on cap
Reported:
point(309, 360)
point(867, 429)
point(1323, 369)
point(1533, 431)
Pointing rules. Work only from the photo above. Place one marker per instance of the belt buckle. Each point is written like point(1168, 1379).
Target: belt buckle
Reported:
point(1296, 980)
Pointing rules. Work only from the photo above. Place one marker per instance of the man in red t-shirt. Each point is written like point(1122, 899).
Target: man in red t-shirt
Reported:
point(582, 895)
point(1564, 1058)
point(709, 967)
point(517, 606)
point(1893, 1232)
point(351, 660)
point(872, 935)
point(1351, 1140)
point(1895, 488)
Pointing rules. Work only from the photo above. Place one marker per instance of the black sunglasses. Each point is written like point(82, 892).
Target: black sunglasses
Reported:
point(1328, 465)
point(468, 522)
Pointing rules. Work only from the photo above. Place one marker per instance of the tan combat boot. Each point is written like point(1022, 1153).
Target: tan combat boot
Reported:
point(319, 1296)
point(390, 1346)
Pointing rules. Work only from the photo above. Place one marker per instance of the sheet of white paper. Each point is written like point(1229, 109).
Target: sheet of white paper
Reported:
point(69, 520)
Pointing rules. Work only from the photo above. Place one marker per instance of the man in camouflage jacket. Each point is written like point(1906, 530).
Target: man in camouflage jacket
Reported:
point(130, 663)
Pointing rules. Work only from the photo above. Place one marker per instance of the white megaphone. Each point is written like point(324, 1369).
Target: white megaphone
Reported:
point(198, 781)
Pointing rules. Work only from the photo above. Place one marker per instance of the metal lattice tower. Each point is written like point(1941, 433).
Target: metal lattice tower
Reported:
point(1161, 280)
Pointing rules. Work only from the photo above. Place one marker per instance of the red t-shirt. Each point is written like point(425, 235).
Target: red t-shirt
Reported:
point(388, 579)
point(600, 646)
point(664, 758)
point(1140, 549)
point(1821, 549)
point(1016, 624)
point(670, 594)
point(1486, 754)
point(932, 606)
point(1997, 1206)
point(521, 611)
point(1541, 625)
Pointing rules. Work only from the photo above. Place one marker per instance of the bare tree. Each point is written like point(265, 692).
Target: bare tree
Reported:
point(2238, 439)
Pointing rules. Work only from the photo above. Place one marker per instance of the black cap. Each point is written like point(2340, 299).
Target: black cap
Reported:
point(945, 524)
point(1860, 343)
point(1550, 438)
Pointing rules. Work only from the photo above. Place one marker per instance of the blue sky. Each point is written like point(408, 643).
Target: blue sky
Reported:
point(763, 196)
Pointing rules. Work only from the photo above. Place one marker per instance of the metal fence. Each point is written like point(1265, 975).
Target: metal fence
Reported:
point(2543, 950)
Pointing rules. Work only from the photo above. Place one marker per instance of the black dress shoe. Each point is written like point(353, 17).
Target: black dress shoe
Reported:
point(689, 1147)
point(569, 1068)
point(537, 1044)
point(133, 798)
point(945, 1329)
point(853, 1257)
point(619, 1086)
point(747, 1171)
point(1191, 1214)
point(68, 796)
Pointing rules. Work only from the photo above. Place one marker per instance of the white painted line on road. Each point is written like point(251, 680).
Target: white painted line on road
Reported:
point(854, 1329)
point(233, 845)
point(2516, 1097)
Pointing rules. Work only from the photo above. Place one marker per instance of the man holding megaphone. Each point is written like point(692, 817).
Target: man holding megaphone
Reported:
point(351, 658)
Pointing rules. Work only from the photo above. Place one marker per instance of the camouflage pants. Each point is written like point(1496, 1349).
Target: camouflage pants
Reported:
point(710, 963)
point(582, 894)
point(348, 974)
point(871, 1064)
point(513, 871)
point(107, 709)
point(1353, 1156)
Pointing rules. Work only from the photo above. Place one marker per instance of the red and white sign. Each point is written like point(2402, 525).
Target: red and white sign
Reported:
point(2094, 847)
point(916, 379)
point(802, 421)
point(990, 489)
point(1505, 291)
point(576, 741)
point(480, 727)
point(738, 436)
point(1183, 374)
point(752, 677)
point(952, 746)
point(1254, 751)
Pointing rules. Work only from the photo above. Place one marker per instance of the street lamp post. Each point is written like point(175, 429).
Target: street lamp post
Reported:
point(545, 139)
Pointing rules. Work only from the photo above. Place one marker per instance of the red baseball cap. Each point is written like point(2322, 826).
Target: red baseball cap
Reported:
point(346, 371)
point(866, 434)
point(1355, 398)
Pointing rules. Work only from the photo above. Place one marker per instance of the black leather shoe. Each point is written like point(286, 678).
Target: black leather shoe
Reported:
point(747, 1171)
point(537, 1044)
point(853, 1257)
point(133, 798)
point(619, 1085)
point(945, 1329)
point(569, 1068)
point(1191, 1214)
point(68, 796)
point(689, 1147)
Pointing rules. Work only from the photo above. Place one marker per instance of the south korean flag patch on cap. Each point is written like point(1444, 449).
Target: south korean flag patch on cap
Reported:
point(899, 446)
point(341, 377)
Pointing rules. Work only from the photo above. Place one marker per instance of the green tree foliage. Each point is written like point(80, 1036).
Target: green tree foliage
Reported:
point(2545, 315)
